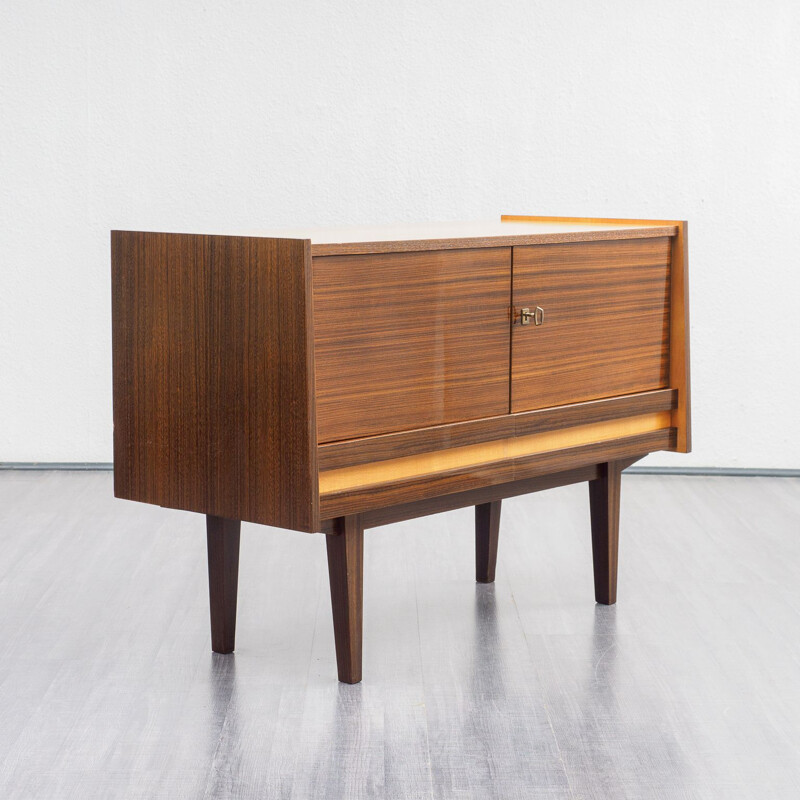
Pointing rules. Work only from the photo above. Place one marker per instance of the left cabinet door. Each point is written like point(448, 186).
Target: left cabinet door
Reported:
point(408, 340)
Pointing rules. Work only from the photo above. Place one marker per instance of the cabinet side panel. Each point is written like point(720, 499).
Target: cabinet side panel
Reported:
point(213, 376)
point(139, 325)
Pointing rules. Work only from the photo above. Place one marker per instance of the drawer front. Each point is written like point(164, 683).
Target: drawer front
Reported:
point(603, 326)
point(408, 340)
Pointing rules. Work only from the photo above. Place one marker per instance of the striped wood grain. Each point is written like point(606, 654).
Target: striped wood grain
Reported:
point(213, 376)
point(606, 321)
point(458, 434)
point(408, 340)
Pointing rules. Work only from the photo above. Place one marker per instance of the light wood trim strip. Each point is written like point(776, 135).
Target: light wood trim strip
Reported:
point(395, 469)
point(591, 220)
point(406, 443)
point(679, 338)
point(466, 478)
point(407, 245)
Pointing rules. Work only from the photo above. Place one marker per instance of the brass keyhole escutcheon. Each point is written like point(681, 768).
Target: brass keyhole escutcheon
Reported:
point(537, 315)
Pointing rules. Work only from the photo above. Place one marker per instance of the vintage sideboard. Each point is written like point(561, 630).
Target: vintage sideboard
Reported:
point(335, 380)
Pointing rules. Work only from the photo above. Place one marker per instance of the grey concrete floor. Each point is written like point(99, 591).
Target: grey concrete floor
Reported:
point(688, 688)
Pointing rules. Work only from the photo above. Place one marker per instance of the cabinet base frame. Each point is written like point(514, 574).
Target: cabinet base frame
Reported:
point(345, 548)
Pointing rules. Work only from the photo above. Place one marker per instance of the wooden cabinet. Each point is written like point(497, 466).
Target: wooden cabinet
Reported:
point(332, 381)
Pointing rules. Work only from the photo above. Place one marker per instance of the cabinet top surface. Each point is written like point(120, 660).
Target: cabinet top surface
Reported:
point(503, 232)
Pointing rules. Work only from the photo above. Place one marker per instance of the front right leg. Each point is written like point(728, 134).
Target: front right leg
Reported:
point(223, 580)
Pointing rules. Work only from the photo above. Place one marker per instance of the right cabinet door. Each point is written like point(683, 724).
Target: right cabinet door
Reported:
point(598, 323)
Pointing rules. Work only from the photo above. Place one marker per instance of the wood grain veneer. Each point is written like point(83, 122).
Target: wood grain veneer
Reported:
point(606, 323)
point(679, 371)
point(421, 487)
point(397, 469)
point(407, 340)
point(213, 376)
point(439, 437)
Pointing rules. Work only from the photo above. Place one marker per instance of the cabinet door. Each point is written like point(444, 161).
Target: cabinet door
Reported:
point(408, 340)
point(603, 326)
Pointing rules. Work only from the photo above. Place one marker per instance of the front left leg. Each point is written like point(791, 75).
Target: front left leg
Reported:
point(346, 574)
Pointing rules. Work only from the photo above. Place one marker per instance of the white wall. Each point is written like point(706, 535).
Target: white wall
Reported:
point(230, 115)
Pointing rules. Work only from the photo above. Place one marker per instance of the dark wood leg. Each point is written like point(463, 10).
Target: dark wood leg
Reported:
point(604, 494)
point(223, 580)
point(487, 531)
point(346, 573)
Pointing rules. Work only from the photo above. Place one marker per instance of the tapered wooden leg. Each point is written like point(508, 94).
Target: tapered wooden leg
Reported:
point(487, 531)
point(346, 573)
point(604, 495)
point(223, 580)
